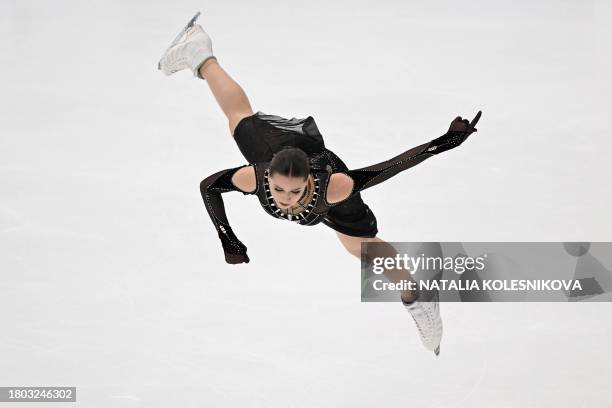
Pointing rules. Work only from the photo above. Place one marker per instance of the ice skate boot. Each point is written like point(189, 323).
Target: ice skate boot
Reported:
point(190, 49)
point(426, 315)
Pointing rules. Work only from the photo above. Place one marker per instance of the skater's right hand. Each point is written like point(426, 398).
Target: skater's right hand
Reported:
point(236, 258)
point(235, 251)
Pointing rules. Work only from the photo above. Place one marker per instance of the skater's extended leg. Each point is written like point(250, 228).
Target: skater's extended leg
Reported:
point(426, 314)
point(229, 95)
point(192, 49)
point(353, 246)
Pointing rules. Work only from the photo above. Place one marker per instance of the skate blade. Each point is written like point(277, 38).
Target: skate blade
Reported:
point(178, 37)
point(437, 351)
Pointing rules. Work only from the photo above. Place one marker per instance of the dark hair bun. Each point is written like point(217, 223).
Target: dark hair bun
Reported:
point(291, 162)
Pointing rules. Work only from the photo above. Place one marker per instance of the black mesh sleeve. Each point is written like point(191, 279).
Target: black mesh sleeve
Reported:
point(367, 177)
point(211, 189)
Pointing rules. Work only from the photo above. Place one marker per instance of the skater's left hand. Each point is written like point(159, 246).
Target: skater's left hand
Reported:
point(458, 131)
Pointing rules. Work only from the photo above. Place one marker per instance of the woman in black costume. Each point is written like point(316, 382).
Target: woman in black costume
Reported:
point(294, 176)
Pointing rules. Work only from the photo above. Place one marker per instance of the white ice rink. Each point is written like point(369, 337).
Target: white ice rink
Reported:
point(112, 278)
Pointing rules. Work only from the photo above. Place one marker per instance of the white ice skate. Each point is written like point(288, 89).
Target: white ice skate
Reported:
point(190, 49)
point(426, 315)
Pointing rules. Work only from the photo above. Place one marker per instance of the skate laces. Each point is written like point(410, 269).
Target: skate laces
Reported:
point(175, 55)
point(186, 38)
point(426, 316)
point(191, 32)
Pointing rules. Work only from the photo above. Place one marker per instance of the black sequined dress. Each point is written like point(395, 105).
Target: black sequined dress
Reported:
point(260, 136)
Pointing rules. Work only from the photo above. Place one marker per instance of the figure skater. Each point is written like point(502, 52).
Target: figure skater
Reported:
point(296, 178)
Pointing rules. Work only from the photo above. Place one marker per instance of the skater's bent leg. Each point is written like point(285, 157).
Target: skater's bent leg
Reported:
point(353, 246)
point(229, 95)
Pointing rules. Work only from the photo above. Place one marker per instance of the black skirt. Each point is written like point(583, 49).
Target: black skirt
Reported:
point(260, 136)
point(353, 217)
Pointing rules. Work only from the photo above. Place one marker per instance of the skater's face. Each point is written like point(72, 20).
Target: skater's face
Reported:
point(286, 191)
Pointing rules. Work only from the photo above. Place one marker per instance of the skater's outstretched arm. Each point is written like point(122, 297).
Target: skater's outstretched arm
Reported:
point(370, 176)
point(211, 189)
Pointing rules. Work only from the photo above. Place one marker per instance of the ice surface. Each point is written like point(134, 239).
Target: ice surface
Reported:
point(112, 278)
